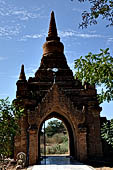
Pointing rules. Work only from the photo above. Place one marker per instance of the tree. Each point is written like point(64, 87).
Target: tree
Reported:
point(54, 126)
point(9, 116)
point(99, 8)
point(97, 69)
point(107, 132)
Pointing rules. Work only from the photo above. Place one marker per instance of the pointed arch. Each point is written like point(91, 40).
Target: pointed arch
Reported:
point(69, 127)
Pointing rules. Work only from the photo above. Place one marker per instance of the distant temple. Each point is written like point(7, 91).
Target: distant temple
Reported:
point(53, 92)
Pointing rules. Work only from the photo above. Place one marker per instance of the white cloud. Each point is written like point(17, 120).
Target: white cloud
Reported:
point(24, 14)
point(90, 36)
point(18, 13)
point(110, 39)
point(9, 31)
point(66, 34)
point(10, 15)
point(82, 35)
point(31, 36)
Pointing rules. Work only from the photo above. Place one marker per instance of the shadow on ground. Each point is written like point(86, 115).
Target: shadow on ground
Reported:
point(59, 160)
point(100, 163)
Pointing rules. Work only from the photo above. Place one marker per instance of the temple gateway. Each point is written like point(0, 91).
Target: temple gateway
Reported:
point(53, 92)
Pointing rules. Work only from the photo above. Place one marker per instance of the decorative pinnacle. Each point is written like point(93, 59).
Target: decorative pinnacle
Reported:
point(22, 73)
point(52, 33)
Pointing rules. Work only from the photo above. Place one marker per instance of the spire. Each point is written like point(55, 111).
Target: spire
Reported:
point(22, 73)
point(52, 44)
point(52, 33)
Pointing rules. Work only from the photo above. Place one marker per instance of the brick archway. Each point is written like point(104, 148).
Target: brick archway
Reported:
point(47, 93)
point(70, 129)
point(56, 104)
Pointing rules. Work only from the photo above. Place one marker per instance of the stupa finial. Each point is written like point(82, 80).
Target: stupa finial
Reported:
point(52, 33)
point(22, 73)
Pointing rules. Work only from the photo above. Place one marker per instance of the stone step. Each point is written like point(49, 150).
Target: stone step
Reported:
point(60, 167)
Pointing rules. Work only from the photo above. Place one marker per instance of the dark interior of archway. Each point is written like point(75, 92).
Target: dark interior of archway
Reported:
point(68, 127)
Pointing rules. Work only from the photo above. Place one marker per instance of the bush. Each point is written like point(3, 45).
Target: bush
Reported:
point(57, 149)
point(57, 144)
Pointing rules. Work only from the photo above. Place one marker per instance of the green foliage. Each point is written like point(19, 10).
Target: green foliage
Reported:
point(54, 127)
point(97, 69)
point(107, 132)
point(9, 115)
point(65, 139)
point(103, 8)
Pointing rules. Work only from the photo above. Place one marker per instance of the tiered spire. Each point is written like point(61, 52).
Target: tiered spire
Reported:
point(53, 56)
point(52, 33)
point(22, 73)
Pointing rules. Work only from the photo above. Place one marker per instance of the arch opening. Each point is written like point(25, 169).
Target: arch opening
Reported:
point(58, 143)
point(54, 138)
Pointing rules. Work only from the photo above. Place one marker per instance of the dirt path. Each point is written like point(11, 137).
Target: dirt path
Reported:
point(101, 168)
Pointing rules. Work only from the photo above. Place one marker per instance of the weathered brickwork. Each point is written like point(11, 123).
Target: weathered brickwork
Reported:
point(59, 95)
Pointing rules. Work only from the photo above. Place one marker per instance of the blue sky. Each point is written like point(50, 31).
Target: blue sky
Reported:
point(23, 29)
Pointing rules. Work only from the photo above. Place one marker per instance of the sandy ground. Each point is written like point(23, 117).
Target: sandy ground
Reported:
point(104, 168)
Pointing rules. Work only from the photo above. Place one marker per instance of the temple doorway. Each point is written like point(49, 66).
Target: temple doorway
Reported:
point(55, 138)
